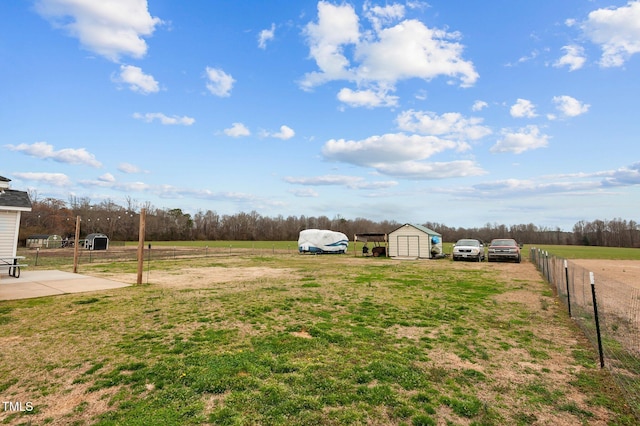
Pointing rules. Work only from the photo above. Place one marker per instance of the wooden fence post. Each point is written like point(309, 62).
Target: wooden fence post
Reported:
point(76, 246)
point(141, 245)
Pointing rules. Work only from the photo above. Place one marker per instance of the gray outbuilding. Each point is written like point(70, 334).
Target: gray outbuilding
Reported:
point(96, 242)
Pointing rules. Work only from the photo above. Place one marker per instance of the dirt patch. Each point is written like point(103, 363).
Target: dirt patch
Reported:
point(202, 277)
point(624, 271)
point(302, 334)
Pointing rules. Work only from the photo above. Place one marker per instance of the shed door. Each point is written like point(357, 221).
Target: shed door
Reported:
point(408, 245)
point(99, 243)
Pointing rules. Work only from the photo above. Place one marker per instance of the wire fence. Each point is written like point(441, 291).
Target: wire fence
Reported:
point(64, 256)
point(607, 311)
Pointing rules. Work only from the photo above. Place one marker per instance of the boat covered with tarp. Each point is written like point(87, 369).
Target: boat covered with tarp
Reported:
point(319, 241)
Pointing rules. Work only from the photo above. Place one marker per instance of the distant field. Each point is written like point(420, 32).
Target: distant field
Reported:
point(590, 252)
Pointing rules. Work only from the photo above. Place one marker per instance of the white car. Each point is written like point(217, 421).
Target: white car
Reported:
point(468, 249)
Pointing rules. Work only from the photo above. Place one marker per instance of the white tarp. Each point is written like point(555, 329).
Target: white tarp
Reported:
point(322, 241)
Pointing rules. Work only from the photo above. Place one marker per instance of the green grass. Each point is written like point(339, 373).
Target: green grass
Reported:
point(589, 252)
point(327, 340)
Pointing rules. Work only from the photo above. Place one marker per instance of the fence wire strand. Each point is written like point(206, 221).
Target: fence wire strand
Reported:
point(618, 311)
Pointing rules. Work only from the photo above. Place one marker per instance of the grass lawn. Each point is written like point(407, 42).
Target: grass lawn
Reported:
point(591, 252)
point(304, 340)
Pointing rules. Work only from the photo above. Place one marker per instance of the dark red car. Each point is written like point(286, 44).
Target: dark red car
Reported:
point(504, 249)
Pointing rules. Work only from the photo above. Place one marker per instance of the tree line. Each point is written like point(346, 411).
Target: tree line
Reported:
point(120, 223)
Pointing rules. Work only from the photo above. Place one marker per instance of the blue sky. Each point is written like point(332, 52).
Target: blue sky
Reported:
point(458, 112)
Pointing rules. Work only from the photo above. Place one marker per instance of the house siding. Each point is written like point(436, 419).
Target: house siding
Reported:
point(9, 226)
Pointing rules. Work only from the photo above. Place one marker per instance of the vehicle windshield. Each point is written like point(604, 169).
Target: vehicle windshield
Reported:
point(474, 243)
point(503, 243)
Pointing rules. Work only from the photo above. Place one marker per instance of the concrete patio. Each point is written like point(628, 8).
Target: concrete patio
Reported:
point(50, 283)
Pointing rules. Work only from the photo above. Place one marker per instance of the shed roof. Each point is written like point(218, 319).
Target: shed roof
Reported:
point(15, 200)
point(96, 235)
point(420, 228)
point(38, 237)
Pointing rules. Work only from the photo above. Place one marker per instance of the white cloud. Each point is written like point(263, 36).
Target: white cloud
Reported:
point(337, 26)
point(570, 107)
point(421, 95)
point(382, 56)
point(237, 130)
point(525, 139)
point(107, 177)
point(137, 80)
point(128, 168)
point(352, 182)
point(285, 133)
point(523, 59)
point(412, 50)
point(55, 179)
point(523, 109)
point(388, 148)
point(105, 181)
point(367, 98)
point(304, 193)
point(109, 28)
point(479, 106)
point(265, 36)
point(625, 176)
point(449, 125)
point(383, 15)
point(219, 83)
point(527, 188)
point(164, 119)
point(437, 170)
point(574, 58)
point(67, 155)
point(616, 31)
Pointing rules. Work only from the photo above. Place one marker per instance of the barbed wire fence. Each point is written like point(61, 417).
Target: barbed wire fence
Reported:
point(607, 311)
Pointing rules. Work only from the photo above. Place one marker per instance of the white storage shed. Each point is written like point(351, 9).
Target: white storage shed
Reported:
point(414, 242)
